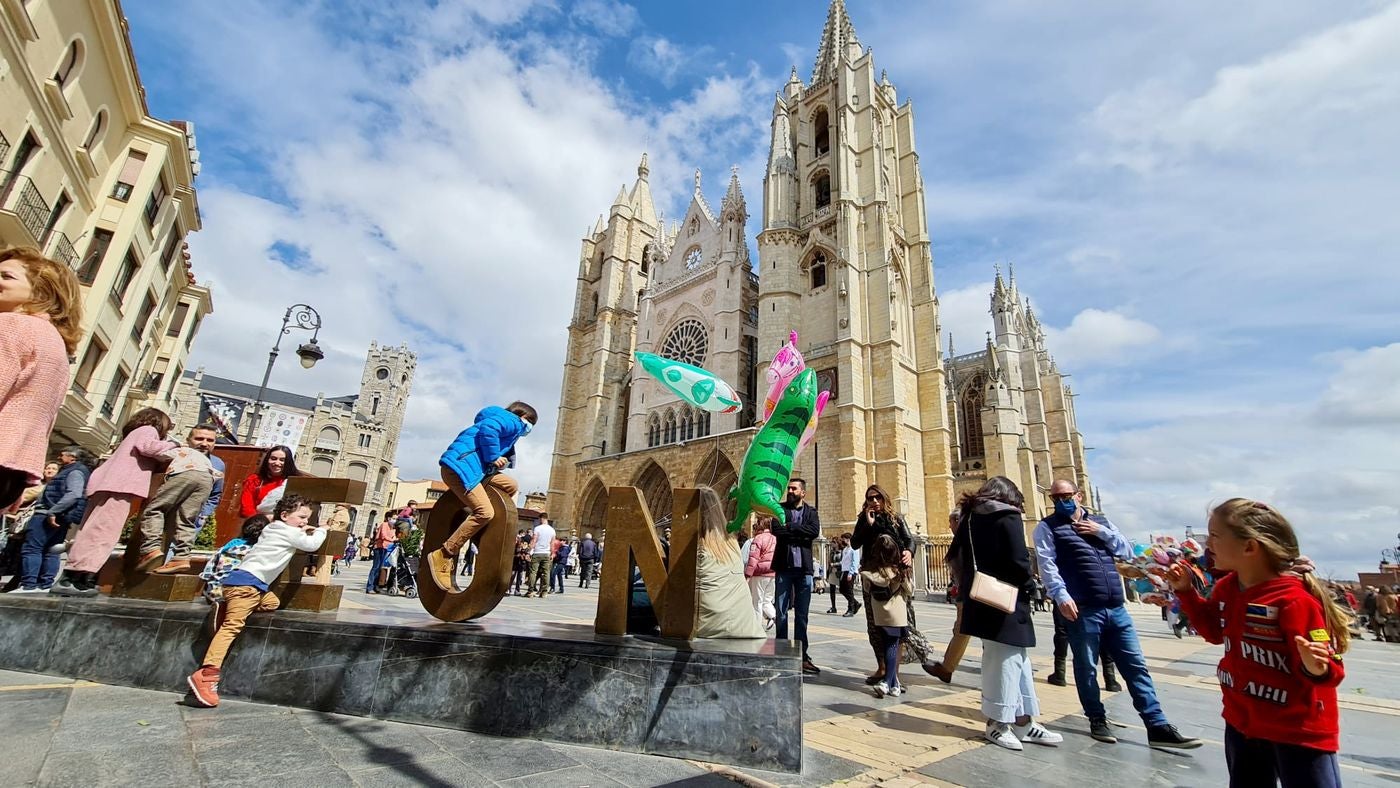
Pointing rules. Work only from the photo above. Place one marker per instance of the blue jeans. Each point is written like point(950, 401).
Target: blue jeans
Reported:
point(556, 577)
point(39, 567)
point(1256, 763)
point(1111, 630)
point(795, 593)
point(376, 563)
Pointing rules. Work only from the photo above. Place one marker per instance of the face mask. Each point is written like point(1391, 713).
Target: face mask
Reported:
point(1066, 507)
point(528, 427)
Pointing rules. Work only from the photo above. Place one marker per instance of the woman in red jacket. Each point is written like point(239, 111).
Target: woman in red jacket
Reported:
point(1283, 635)
point(262, 490)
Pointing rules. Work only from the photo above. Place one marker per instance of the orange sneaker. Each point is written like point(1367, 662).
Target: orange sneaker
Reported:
point(149, 561)
point(204, 686)
point(179, 566)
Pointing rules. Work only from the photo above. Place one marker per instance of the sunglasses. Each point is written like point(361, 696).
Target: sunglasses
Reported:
point(873, 499)
point(1063, 497)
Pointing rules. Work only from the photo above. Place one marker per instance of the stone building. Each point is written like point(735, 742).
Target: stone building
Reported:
point(89, 177)
point(354, 436)
point(1011, 409)
point(844, 259)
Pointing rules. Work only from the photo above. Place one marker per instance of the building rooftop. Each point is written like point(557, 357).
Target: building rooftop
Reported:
point(234, 388)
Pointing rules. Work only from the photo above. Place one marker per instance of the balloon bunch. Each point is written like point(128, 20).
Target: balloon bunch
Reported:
point(789, 416)
point(1148, 570)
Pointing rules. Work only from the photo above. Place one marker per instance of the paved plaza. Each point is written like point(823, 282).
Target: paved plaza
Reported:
point(60, 732)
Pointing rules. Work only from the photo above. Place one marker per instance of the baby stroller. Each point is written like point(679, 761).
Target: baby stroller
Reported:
point(406, 576)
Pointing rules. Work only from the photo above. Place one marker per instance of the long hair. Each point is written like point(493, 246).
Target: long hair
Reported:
point(885, 499)
point(289, 468)
point(148, 417)
point(54, 291)
point(1259, 521)
point(714, 536)
point(885, 553)
point(997, 488)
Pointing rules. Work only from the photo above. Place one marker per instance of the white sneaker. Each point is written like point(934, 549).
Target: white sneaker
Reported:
point(999, 733)
point(882, 689)
point(896, 691)
point(30, 591)
point(1035, 733)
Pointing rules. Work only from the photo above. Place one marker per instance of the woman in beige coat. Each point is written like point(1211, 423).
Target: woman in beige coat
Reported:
point(725, 607)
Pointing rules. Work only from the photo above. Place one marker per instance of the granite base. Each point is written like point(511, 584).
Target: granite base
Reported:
point(735, 702)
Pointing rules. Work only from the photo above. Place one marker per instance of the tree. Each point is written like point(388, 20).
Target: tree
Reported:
point(208, 534)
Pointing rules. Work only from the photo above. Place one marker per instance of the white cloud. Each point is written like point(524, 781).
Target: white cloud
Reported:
point(1098, 336)
point(1366, 390)
point(659, 57)
point(965, 313)
point(609, 17)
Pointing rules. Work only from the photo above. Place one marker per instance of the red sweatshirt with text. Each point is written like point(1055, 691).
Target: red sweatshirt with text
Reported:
point(1266, 692)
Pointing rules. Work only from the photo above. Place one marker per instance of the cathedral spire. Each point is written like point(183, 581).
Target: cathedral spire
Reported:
point(640, 200)
point(838, 42)
point(734, 198)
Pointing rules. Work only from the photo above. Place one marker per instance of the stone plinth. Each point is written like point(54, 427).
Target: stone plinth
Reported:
point(737, 702)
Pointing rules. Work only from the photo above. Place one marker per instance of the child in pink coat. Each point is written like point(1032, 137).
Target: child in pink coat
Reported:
point(111, 490)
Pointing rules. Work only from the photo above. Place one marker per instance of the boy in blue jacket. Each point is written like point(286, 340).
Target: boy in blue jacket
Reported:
point(475, 459)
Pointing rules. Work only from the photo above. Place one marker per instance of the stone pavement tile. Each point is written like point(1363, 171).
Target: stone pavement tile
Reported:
point(112, 718)
point(233, 708)
point(500, 758)
point(572, 777)
point(320, 776)
point(359, 743)
point(259, 748)
point(14, 678)
point(637, 770)
point(212, 730)
point(441, 770)
point(152, 763)
point(818, 768)
point(970, 769)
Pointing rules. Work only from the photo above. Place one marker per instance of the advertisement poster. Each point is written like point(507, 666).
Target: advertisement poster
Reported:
point(280, 428)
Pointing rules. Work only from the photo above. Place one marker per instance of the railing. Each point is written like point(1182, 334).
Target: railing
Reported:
point(966, 357)
point(108, 408)
point(327, 445)
point(935, 553)
point(22, 198)
point(816, 216)
point(61, 249)
point(4, 148)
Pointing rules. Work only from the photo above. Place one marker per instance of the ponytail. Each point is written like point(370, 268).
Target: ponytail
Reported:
point(1338, 620)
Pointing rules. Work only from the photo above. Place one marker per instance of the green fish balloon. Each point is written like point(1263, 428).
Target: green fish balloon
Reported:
point(699, 387)
point(768, 462)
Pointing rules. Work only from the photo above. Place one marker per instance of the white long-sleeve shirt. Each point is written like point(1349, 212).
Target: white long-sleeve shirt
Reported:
point(1045, 553)
point(275, 548)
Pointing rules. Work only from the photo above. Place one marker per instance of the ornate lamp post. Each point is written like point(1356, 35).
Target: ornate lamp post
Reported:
point(298, 316)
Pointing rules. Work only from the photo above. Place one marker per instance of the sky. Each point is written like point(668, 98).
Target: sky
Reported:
point(1199, 200)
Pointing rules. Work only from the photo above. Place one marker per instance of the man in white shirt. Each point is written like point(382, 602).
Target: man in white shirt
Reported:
point(541, 557)
point(850, 567)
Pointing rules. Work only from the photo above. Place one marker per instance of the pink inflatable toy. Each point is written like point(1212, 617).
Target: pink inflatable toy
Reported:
point(787, 363)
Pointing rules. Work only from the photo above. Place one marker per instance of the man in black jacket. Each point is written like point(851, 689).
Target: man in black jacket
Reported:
point(792, 565)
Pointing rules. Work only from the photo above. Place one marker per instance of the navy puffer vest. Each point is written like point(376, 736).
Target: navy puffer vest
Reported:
point(1086, 565)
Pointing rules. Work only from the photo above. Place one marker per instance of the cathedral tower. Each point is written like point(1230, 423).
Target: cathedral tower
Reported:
point(384, 388)
point(613, 271)
point(845, 260)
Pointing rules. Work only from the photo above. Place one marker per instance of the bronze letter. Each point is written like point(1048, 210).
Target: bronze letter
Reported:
point(631, 534)
point(495, 553)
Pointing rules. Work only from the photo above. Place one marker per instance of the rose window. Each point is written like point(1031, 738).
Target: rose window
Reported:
point(687, 342)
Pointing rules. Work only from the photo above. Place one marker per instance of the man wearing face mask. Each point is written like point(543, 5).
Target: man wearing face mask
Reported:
point(1077, 556)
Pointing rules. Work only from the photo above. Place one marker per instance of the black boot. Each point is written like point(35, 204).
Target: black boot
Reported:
point(1058, 677)
point(1110, 678)
point(76, 584)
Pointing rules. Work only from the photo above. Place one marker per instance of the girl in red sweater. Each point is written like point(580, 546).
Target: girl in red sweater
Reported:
point(1283, 635)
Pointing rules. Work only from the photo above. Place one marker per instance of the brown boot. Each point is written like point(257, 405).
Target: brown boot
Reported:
point(150, 561)
point(179, 566)
point(440, 564)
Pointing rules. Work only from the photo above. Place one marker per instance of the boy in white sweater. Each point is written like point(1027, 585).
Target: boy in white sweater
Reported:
point(245, 589)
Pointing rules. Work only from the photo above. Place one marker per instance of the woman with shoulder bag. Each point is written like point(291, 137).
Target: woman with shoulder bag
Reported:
point(878, 518)
point(996, 608)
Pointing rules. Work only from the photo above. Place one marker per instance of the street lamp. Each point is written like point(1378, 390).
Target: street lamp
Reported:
point(298, 316)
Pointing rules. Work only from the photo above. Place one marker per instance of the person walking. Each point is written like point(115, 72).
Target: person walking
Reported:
point(758, 569)
point(62, 505)
point(833, 571)
point(541, 549)
point(889, 581)
point(993, 541)
point(40, 325)
point(587, 557)
point(384, 536)
point(560, 563)
point(850, 567)
point(1077, 562)
point(792, 566)
point(957, 644)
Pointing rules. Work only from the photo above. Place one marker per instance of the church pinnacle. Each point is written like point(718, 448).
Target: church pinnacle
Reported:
point(734, 198)
point(838, 42)
point(640, 199)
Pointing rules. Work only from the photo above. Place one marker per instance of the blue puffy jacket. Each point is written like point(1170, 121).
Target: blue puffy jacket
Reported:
point(491, 436)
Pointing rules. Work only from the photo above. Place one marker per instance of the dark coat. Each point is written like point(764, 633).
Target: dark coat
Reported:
point(796, 529)
point(882, 524)
point(997, 537)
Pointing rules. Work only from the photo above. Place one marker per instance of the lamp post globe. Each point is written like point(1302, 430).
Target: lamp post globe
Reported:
point(310, 353)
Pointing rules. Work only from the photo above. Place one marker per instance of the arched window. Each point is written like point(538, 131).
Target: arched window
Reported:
point(821, 133)
point(970, 418)
point(821, 189)
point(689, 425)
point(328, 434)
point(96, 130)
point(704, 427)
point(379, 481)
point(357, 471)
point(670, 426)
point(322, 466)
point(817, 269)
point(374, 406)
point(653, 431)
point(70, 65)
point(595, 304)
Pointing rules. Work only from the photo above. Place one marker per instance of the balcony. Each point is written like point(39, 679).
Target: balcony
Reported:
point(23, 211)
point(61, 249)
point(326, 445)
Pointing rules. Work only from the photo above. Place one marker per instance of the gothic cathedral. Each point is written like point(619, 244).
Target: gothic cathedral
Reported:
point(844, 259)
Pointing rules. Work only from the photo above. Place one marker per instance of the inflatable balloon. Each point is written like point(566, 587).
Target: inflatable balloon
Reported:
point(786, 364)
point(1191, 547)
point(699, 387)
point(812, 425)
point(768, 462)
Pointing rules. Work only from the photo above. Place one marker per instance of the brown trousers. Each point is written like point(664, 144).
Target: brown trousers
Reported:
point(956, 646)
point(172, 510)
point(477, 504)
point(239, 603)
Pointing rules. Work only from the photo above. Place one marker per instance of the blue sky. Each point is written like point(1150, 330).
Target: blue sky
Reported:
point(1199, 201)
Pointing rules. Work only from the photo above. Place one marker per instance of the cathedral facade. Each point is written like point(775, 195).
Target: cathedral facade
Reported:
point(844, 259)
